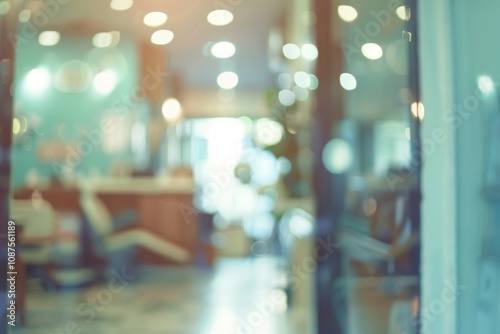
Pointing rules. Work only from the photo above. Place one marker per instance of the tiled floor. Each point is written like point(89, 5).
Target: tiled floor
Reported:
point(240, 296)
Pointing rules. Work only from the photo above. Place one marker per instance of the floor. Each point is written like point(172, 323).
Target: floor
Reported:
point(239, 296)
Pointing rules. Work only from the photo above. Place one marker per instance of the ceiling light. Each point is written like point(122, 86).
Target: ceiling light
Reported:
point(403, 13)
point(347, 13)
point(223, 50)
point(372, 51)
point(121, 5)
point(348, 81)
point(309, 51)
point(485, 84)
point(291, 51)
point(37, 80)
point(155, 19)
point(220, 17)
point(105, 82)
point(4, 7)
point(227, 80)
point(49, 38)
point(171, 109)
point(106, 39)
point(162, 37)
point(418, 110)
point(24, 15)
point(102, 40)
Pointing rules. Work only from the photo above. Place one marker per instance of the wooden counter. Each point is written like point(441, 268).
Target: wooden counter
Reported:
point(164, 206)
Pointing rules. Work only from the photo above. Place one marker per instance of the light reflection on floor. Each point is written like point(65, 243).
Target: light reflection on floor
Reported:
point(238, 297)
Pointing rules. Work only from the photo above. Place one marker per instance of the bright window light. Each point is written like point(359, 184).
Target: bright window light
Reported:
point(49, 38)
point(220, 17)
point(227, 80)
point(348, 81)
point(162, 37)
point(347, 13)
point(223, 50)
point(155, 19)
point(121, 5)
point(372, 51)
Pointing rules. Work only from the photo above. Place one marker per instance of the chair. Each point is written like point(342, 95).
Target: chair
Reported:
point(117, 240)
point(39, 227)
point(37, 224)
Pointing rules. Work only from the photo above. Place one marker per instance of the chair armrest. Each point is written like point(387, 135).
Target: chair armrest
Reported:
point(147, 241)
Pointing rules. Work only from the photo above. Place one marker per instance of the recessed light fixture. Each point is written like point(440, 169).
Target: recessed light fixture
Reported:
point(49, 38)
point(347, 13)
point(372, 51)
point(121, 5)
point(223, 50)
point(227, 80)
point(220, 17)
point(162, 37)
point(155, 19)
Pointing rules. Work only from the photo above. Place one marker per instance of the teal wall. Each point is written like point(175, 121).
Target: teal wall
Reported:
point(75, 111)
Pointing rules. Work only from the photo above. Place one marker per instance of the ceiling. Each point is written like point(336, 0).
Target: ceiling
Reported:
point(381, 83)
point(249, 31)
